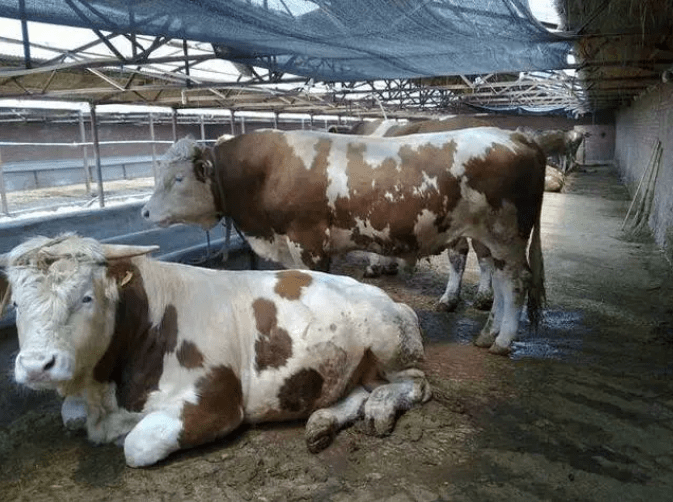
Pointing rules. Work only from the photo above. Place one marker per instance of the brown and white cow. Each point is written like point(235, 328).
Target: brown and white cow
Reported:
point(164, 356)
point(458, 248)
point(301, 196)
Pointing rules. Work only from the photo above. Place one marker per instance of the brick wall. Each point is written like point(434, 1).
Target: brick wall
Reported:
point(638, 127)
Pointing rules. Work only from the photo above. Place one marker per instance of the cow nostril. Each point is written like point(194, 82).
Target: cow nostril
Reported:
point(50, 364)
point(146, 213)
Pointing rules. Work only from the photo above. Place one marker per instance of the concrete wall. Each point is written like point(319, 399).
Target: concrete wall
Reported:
point(638, 127)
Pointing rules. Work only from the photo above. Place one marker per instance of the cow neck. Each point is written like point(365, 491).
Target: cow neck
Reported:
point(210, 155)
point(134, 357)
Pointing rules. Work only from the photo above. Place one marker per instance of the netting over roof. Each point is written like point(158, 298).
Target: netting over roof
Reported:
point(339, 40)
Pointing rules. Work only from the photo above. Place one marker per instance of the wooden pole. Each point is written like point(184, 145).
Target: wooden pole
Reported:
point(96, 151)
point(3, 193)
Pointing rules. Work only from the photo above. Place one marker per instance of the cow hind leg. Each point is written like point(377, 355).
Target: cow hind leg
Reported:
point(457, 252)
point(406, 389)
point(323, 424)
point(514, 284)
point(490, 330)
point(484, 298)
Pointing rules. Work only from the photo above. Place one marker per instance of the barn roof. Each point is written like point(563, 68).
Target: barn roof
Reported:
point(317, 56)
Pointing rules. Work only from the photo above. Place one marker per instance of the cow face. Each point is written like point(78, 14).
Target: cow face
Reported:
point(182, 193)
point(65, 310)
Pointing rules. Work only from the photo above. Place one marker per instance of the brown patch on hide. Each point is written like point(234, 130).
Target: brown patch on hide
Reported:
point(300, 392)
point(290, 283)
point(218, 411)
point(267, 187)
point(134, 358)
point(480, 249)
point(516, 177)
point(189, 356)
point(388, 197)
point(273, 347)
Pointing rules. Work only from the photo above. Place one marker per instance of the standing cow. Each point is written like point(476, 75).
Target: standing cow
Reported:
point(301, 196)
point(164, 356)
point(457, 249)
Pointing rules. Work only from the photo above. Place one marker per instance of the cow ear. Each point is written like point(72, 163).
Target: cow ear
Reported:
point(119, 251)
point(203, 169)
point(4, 260)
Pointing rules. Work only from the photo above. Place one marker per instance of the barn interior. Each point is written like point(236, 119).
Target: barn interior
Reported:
point(581, 410)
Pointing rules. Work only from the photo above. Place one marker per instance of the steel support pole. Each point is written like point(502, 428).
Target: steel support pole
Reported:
point(232, 121)
point(24, 34)
point(154, 148)
point(174, 121)
point(3, 193)
point(85, 153)
point(96, 152)
point(203, 130)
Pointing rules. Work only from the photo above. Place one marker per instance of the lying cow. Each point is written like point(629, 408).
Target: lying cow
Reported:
point(301, 196)
point(164, 356)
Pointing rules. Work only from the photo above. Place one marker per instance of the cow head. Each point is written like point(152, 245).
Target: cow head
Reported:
point(182, 193)
point(65, 307)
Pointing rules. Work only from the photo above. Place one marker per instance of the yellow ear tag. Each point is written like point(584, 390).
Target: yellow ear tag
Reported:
point(126, 279)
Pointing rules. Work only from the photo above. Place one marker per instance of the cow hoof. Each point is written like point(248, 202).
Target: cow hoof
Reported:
point(449, 305)
point(321, 430)
point(483, 302)
point(379, 427)
point(499, 350)
point(485, 340)
point(371, 272)
point(390, 269)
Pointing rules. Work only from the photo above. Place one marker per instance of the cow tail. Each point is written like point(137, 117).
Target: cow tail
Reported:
point(536, 290)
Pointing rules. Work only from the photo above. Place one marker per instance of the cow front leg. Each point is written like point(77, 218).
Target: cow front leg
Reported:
point(74, 412)
point(323, 424)
point(407, 389)
point(457, 251)
point(155, 437)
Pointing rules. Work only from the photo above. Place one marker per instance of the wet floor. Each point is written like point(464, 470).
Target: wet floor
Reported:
point(582, 409)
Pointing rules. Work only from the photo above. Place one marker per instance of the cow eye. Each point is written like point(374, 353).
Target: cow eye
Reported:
point(87, 299)
point(179, 178)
point(15, 305)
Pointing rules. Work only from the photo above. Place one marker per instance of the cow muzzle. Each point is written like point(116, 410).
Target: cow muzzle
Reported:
point(43, 369)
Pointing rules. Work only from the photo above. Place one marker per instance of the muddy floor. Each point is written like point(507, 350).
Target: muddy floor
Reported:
point(581, 411)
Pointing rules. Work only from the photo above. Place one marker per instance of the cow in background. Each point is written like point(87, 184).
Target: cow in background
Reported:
point(301, 196)
point(560, 147)
point(162, 356)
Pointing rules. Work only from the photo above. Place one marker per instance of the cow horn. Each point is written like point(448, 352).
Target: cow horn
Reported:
point(4, 260)
point(118, 251)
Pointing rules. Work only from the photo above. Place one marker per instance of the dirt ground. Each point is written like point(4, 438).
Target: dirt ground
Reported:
point(582, 410)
